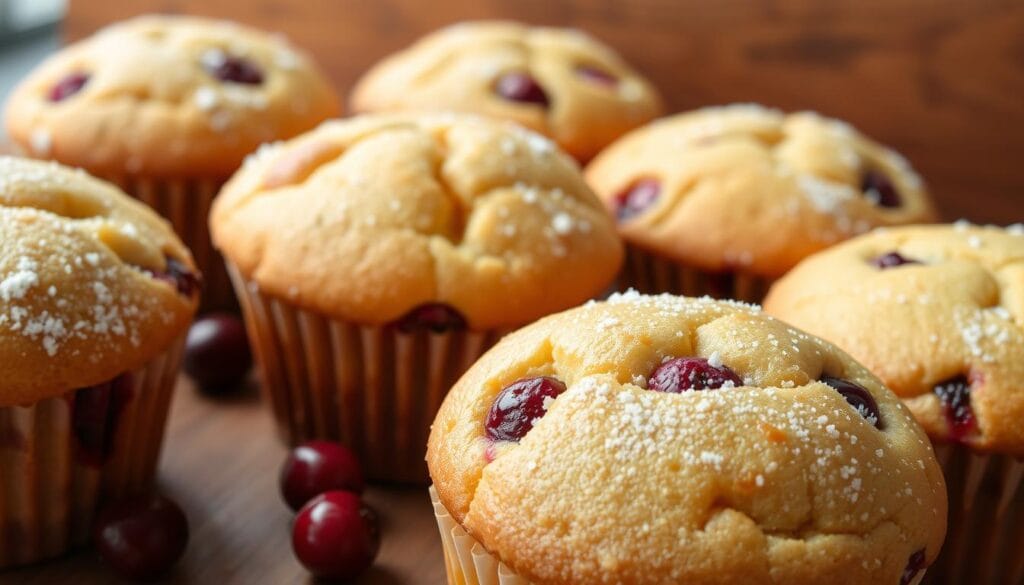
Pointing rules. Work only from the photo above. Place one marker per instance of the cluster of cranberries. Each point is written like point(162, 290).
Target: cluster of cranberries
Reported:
point(335, 535)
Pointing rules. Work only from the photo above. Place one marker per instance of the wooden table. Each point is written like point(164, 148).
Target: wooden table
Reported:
point(221, 461)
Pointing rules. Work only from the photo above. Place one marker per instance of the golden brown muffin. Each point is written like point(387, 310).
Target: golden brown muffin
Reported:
point(752, 190)
point(369, 218)
point(559, 82)
point(167, 96)
point(92, 283)
point(578, 450)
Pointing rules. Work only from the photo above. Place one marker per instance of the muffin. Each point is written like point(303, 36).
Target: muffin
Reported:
point(559, 82)
point(167, 107)
point(376, 258)
point(96, 295)
point(724, 200)
point(937, 312)
point(661, 439)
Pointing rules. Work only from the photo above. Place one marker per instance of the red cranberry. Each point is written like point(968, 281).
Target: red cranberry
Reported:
point(335, 536)
point(914, 565)
point(879, 188)
point(689, 373)
point(217, 355)
point(178, 275)
point(637, 198)
point(519, 405)
point(436, 317)
point(95, 414)
point(141, 538)
point(892, 260)
point(521, 87)
point(315, 467)
point(595, 75)
point(68, 86)
point(955, 395)
point(231, 68)
point(858, 397)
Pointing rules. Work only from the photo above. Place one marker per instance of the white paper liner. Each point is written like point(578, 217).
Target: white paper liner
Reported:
point(652, 274)
point(48, 493)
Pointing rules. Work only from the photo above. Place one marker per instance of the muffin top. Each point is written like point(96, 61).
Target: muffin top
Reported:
point(750, 188)
point(667, 439)
point(937, 312)
point(373, 218)
point(92, 283)
point(167, 96)
point(559, 82)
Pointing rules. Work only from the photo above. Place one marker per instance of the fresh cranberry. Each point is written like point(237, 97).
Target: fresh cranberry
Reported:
point(879, 188)
point(315, 467)
point(141, 538)
point(436, 317)
point(95, 417)
point(858, 397)
point(892, 260)
point(637, 198)
point(335, 536)
point(232, 69)
point(595, 75)
point(217, 355)
point(68, 86)
point(690, 373)
point(914, 565)
point(519, 405)
point(521, 87)
point(178, 275)
point(955, 395)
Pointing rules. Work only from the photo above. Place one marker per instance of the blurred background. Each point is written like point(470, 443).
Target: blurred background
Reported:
point(942, 81)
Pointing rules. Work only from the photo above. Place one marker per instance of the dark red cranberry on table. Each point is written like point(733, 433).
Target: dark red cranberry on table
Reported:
point(636, 198)
point(68, 86)
point(335, 536)
point(691, 373)
point(892, 260)
point(955, 396)
point(141, 538)
point(879, 188)
point(914, 566)
point(217, 355)
point(436, 317)
point(518, 86)
point(519, 405)
point(596, 75)
point(95, 417)
point(232, 69)
point(315, 467)
point(858, 397)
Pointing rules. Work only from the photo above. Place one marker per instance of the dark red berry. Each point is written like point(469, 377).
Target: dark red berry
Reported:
point(217, 355)
point(691, 373)
point(436, 317)
point(598, 76)
point(878, 188)
point(521, 87)
point(68, 86)
point(232, 69)
point(315, 467)
point(858, 397)
point(178, 275)
point(637, 198)
point(955, 395)
point(519, 405)
point(914, 565)
point(335, 536)
point(141, 538)
point(892, 260)
point(95, 417)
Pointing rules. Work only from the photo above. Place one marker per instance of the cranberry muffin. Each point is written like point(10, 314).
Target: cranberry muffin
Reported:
point(167, 107)
point(96, 295)
point(724, 200)
point(676, 440)
point(937, 312)
point(559, 82)
point(376, 258)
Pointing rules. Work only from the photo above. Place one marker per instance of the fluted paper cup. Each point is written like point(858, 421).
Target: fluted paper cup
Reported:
point(651, 273)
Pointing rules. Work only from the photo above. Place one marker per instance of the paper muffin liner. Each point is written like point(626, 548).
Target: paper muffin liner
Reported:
point(185, 203)
point(373, 388)
point(985, 538)
point(51, 487)
point(651, 273)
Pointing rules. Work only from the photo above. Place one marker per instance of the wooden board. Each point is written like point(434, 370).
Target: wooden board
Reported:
point(221, 462)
